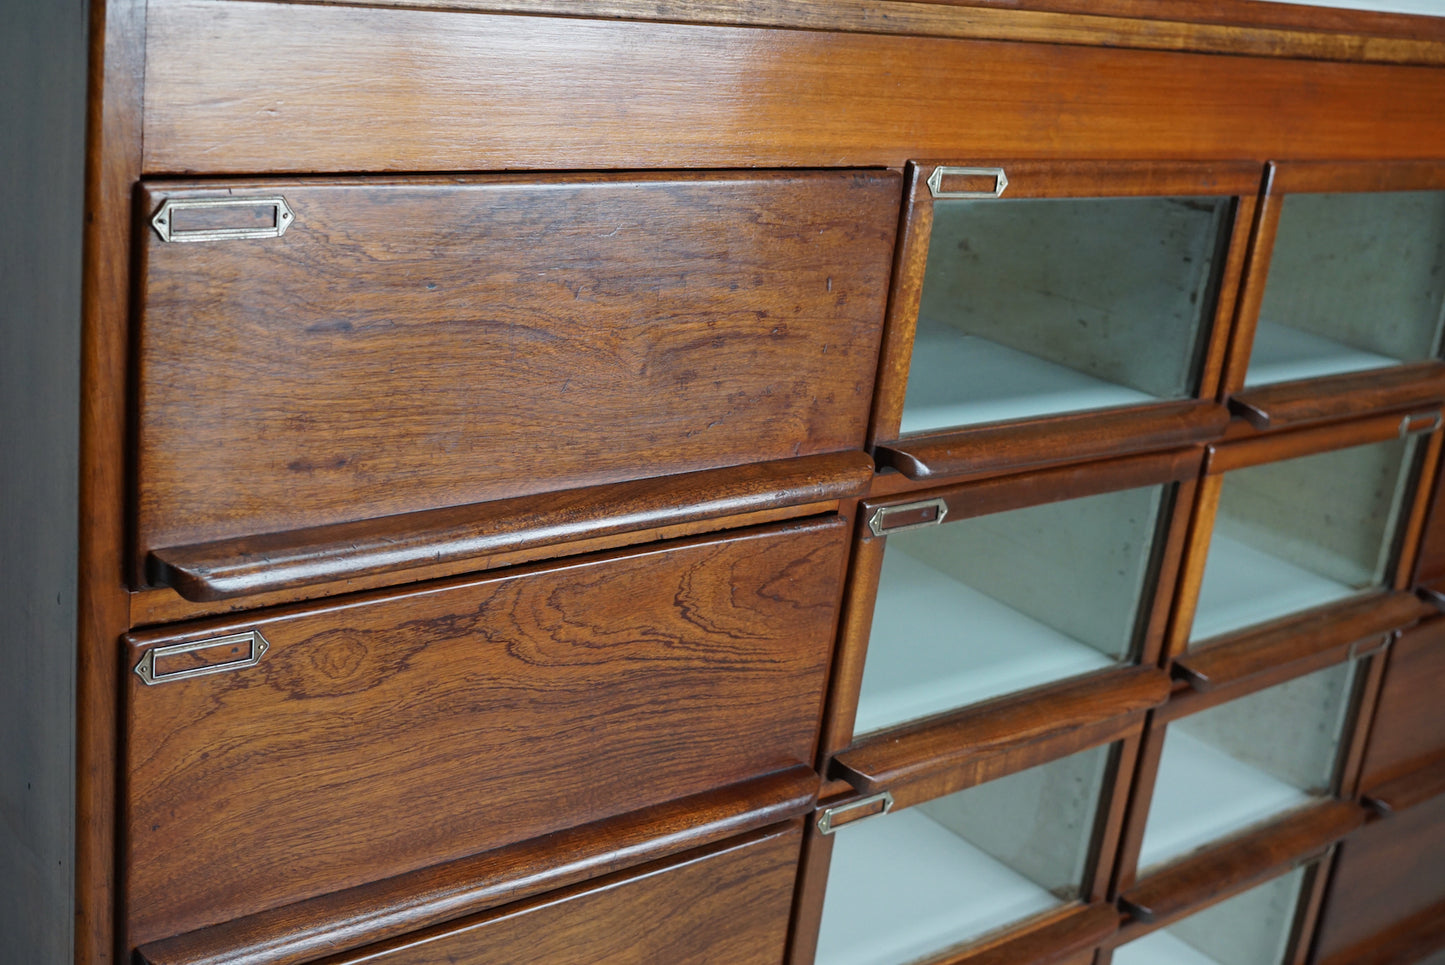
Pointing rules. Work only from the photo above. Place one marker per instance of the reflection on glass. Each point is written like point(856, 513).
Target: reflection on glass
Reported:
point(1252, 759)
point(1035, 307)
point(996, 604)
point(1300, 533)
point(1356, 281)
point(1252, 928)
point(908, 884)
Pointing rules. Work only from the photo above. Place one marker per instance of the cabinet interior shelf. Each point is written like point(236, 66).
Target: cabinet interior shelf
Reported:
point(938, 644)
point(1282, 353)
point(1243, 586)
point(960, 380)
point(1161, 948)
point(1202, 794)
point(903, 886)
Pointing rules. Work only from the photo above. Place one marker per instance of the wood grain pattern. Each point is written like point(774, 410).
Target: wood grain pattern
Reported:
point(1003, 493)
point(919, 762)
point(385, 910)
point(1248, 859)
point(493, 711)
point(1254, 450)
point(1418, 384)
point(1051, 943)
point(410, 345)
point(366, 89)
point(1409, 728)
point(1296, 640)
point(1385, 874)
point(475, 534)
point(1423, 783)
point(1033, 443)
point(727, 905)
point(1379, 175)
point(1416, 940)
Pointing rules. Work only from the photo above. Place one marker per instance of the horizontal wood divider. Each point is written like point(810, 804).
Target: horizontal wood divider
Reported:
point(226, 569)
point(1246, 860)
point(928, 760)
point(1007, 446)
point(1316, 400)
point(1081, 929)
point(1241, 453)
point(1328, 177)
point(1236, 657)
point(1115, 179)
point(1402, 793)
point(370, 913)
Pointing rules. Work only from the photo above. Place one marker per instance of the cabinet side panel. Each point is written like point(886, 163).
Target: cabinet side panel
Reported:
point(42, 108)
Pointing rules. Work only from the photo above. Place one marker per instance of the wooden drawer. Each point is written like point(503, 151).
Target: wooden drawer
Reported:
point(724, 905)
point(390, 731)
point(419, 343)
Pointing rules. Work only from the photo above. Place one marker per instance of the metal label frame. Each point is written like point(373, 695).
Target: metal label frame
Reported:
point(935, 182)
point(146, 669)
point(164, 219)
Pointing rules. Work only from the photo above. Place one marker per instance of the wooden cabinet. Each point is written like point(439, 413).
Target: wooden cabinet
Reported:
point(861, 483)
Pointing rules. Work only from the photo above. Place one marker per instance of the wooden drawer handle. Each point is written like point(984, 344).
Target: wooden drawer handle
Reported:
point(1315, 400)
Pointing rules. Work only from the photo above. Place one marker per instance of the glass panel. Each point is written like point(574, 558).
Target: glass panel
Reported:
point(1356, 281)
point(996, 604)
point(1044, 306)
point(1300, 533)
point(906, 885)
point(1252, 928)
point(1252, 759)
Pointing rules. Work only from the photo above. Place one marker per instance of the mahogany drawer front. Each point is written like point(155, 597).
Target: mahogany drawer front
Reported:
point(419, 343)
point(393, 731)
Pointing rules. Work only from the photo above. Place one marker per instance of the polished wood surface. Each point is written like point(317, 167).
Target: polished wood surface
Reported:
point(1424, 782)
point(366, 89)
point(1409, 727)
point(1254, 450)
point(1416, 940)
point(362, 365)
point(1031, 443)
point(1386, 873)
point(1053, 943)
point(676, 669)
point(385, 910)
point(1298, 642)
point(1244, 860)
point(1379, 175)
point(1419, 384)
point(472, 536)
point(922, 761)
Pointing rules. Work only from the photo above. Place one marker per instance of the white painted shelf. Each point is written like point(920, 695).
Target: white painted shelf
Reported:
point(1243, 586)
point(938, 644)
point(901, 887)
point(960, 380)
point(1284, 354)
point(1202, 794)
point(1161, 948)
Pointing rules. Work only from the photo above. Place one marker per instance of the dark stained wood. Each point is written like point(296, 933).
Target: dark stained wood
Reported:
point(1370, 674)
point(113, 163)
point(493, 711)
point(346, 551)
point(1244, 860)
point(1074, 437)
point(922, 761)
point(1325, 633)
point(1251, 288)
point(1417, 940)
point(854, 627)
point(1000, 494)
point(1409, 726)
point(1386, 873)
point(811, 889)
point(366, 89)
point(1401, 793)
point(900, 324)
point(1140, 792)
point(416, 344)
point(385, 910)
point(1283, 404)
point(1171, 557)
point(1052, 943)
point(1412, 531)
point(1222, 334)
point(1292, 443)
point(1430, 563)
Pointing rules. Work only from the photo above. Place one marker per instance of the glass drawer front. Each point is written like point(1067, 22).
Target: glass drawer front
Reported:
point(991, 605)
point(1252, 928)
point(906, 885)
point(1301, 533)
point(1241, 763)
point(1035, 307)
point(1356, 281)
